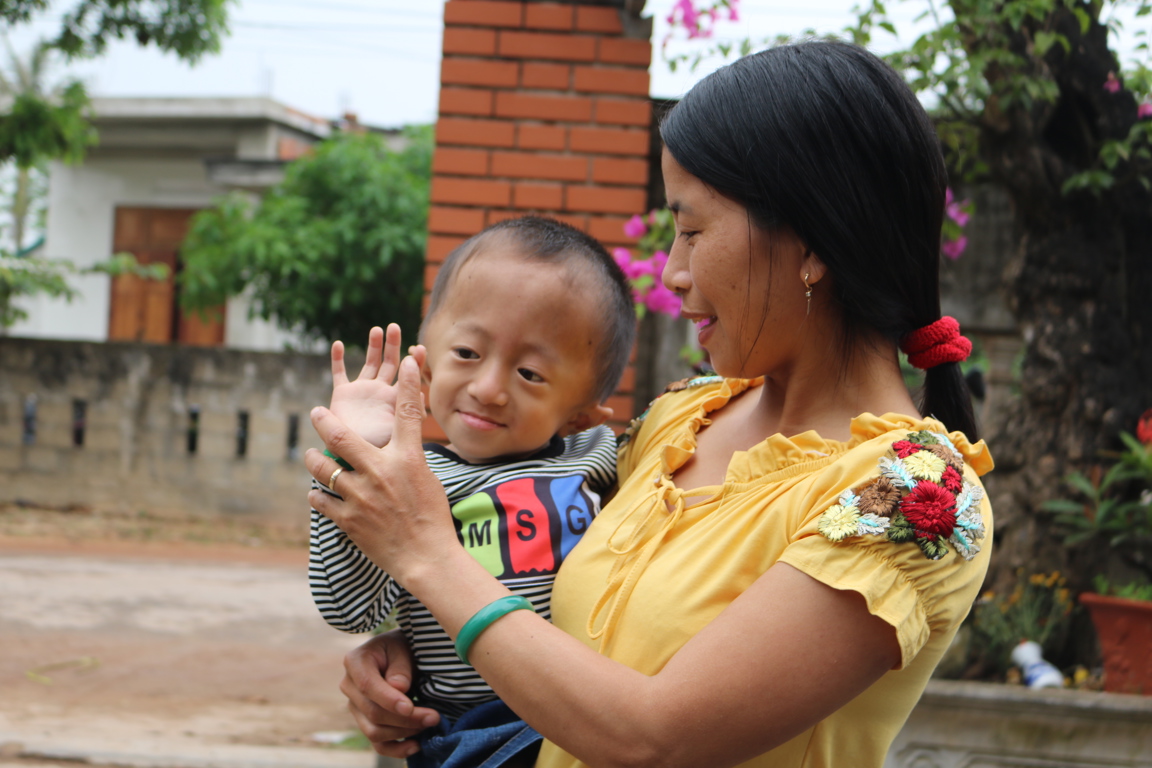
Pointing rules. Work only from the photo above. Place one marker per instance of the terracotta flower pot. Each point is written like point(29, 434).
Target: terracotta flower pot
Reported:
point(1125, 631)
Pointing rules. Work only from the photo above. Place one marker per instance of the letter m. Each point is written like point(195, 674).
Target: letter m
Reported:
point(479, 535)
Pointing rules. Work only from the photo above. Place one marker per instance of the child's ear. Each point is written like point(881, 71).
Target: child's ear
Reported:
point(593, 416)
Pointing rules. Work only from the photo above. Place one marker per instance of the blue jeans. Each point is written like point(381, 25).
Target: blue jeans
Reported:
point(487, 736)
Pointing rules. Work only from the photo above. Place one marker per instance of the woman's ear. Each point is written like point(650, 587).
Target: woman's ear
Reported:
point(812, 269)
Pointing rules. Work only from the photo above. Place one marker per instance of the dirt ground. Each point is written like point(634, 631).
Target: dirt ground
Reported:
point(118, 630)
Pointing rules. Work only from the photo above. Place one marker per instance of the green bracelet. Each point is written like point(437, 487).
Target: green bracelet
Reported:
point(484, 618)
point(338, 460)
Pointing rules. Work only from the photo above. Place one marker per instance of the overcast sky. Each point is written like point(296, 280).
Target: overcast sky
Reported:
point(381, 58)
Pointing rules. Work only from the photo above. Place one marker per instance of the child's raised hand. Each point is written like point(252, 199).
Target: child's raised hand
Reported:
point(368, 404)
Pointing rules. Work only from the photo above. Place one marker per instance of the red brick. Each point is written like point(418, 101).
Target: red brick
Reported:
point(432, 431)
point(602, 199)
point(623, 50)
point(474, 42)
point(540, 197)
point(627, 82)
point(624, 112)
point(476, 133)
point(483, 13)
point(470, 191)
point(455, 221)
point(627, 381)
point(528, 165)
point(541, 136)
point(549, 47)
point(497, 216)
point(580, 222)
point(548, 16)
point(572, 220)
point(459, 71)
point(612, 171)
point(610, 229)
point(438, 248)
point(460, 162)
point(533, 107)
point(609, 141)
point(430, 272)
point(622, 407)
point(557, 77)
point(466, 101)
point(591, 19)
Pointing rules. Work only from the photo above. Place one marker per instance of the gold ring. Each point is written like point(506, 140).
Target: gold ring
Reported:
point(332, 480)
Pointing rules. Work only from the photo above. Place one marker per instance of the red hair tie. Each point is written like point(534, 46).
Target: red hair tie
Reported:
point(937, 343)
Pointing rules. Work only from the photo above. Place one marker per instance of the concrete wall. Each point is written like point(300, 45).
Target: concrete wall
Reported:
point(986, 725)
point(135, 453)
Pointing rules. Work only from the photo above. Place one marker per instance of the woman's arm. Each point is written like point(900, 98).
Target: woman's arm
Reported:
point(780, 658)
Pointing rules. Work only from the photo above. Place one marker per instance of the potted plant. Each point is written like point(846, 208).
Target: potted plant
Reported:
point(1116, 506)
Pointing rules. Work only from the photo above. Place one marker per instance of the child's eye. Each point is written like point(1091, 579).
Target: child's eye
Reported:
point(464, 353)
point(688, 234)
point(531, 375)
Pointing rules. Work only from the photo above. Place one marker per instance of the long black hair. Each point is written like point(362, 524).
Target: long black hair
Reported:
point(827, 139)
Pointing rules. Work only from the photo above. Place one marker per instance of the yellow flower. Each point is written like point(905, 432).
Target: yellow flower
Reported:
point(838, 522)
point(925, 465)
point(1037, 579)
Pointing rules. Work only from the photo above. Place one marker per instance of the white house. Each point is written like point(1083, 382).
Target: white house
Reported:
point(159, 160)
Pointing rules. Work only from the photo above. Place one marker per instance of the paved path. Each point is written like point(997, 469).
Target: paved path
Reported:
point(166, 657)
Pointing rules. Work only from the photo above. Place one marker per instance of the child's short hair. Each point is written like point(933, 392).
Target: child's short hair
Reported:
point(544, 239)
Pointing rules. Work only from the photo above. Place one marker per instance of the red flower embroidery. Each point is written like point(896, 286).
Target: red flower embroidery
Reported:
point(1144, 428)
point(930, 508)
point(952, 480)
point(905, 448)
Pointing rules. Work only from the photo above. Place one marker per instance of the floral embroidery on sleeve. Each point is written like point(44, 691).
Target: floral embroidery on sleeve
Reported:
point(921, 496)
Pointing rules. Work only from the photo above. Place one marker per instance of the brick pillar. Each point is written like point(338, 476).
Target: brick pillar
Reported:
point(543, 109)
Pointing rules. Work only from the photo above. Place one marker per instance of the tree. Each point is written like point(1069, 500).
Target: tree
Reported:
point(38, 123)
point(334, 249)
point(34, 125)
point(34, 104)
point(1030, 96)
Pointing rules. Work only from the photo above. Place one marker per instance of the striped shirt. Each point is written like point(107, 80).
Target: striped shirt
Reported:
point(519, 520)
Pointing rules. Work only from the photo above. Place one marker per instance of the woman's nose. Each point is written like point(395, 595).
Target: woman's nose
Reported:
point(676, 276)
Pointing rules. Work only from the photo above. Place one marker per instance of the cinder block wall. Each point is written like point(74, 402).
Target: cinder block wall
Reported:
point(543, 109)
point(133, 406)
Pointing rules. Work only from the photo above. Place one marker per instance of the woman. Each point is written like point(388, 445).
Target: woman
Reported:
point(782, 566)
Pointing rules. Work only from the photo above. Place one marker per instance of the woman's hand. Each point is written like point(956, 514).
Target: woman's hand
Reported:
point(377, 675)
point(368, 404)
point(393, 507)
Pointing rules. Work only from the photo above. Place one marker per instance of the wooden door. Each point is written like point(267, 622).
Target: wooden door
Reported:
point(147, 310)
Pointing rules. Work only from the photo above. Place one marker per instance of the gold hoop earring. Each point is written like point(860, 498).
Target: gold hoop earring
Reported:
point(807, 294)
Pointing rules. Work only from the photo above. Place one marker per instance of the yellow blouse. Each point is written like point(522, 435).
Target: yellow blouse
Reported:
point(652, 571)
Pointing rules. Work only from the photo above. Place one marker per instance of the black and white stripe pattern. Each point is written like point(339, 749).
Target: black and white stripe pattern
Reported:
point(355, 596)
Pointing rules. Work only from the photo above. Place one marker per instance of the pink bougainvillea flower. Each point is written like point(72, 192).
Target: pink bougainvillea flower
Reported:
point(660, 299)
point(930, 508)
point(635, 227)
point(623, 257)
point(689, 16)
point(954, 248)
point(1112, 84)
point(1144, 428)
point(733, 10)
point(1144, 111)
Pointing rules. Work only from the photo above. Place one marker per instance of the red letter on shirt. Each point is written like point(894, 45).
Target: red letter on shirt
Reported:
point(529, 530)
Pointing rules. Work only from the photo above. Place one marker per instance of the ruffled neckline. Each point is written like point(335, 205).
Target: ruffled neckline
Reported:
point(777, 452)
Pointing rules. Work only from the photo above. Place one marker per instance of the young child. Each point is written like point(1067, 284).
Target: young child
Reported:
point(529, 327)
